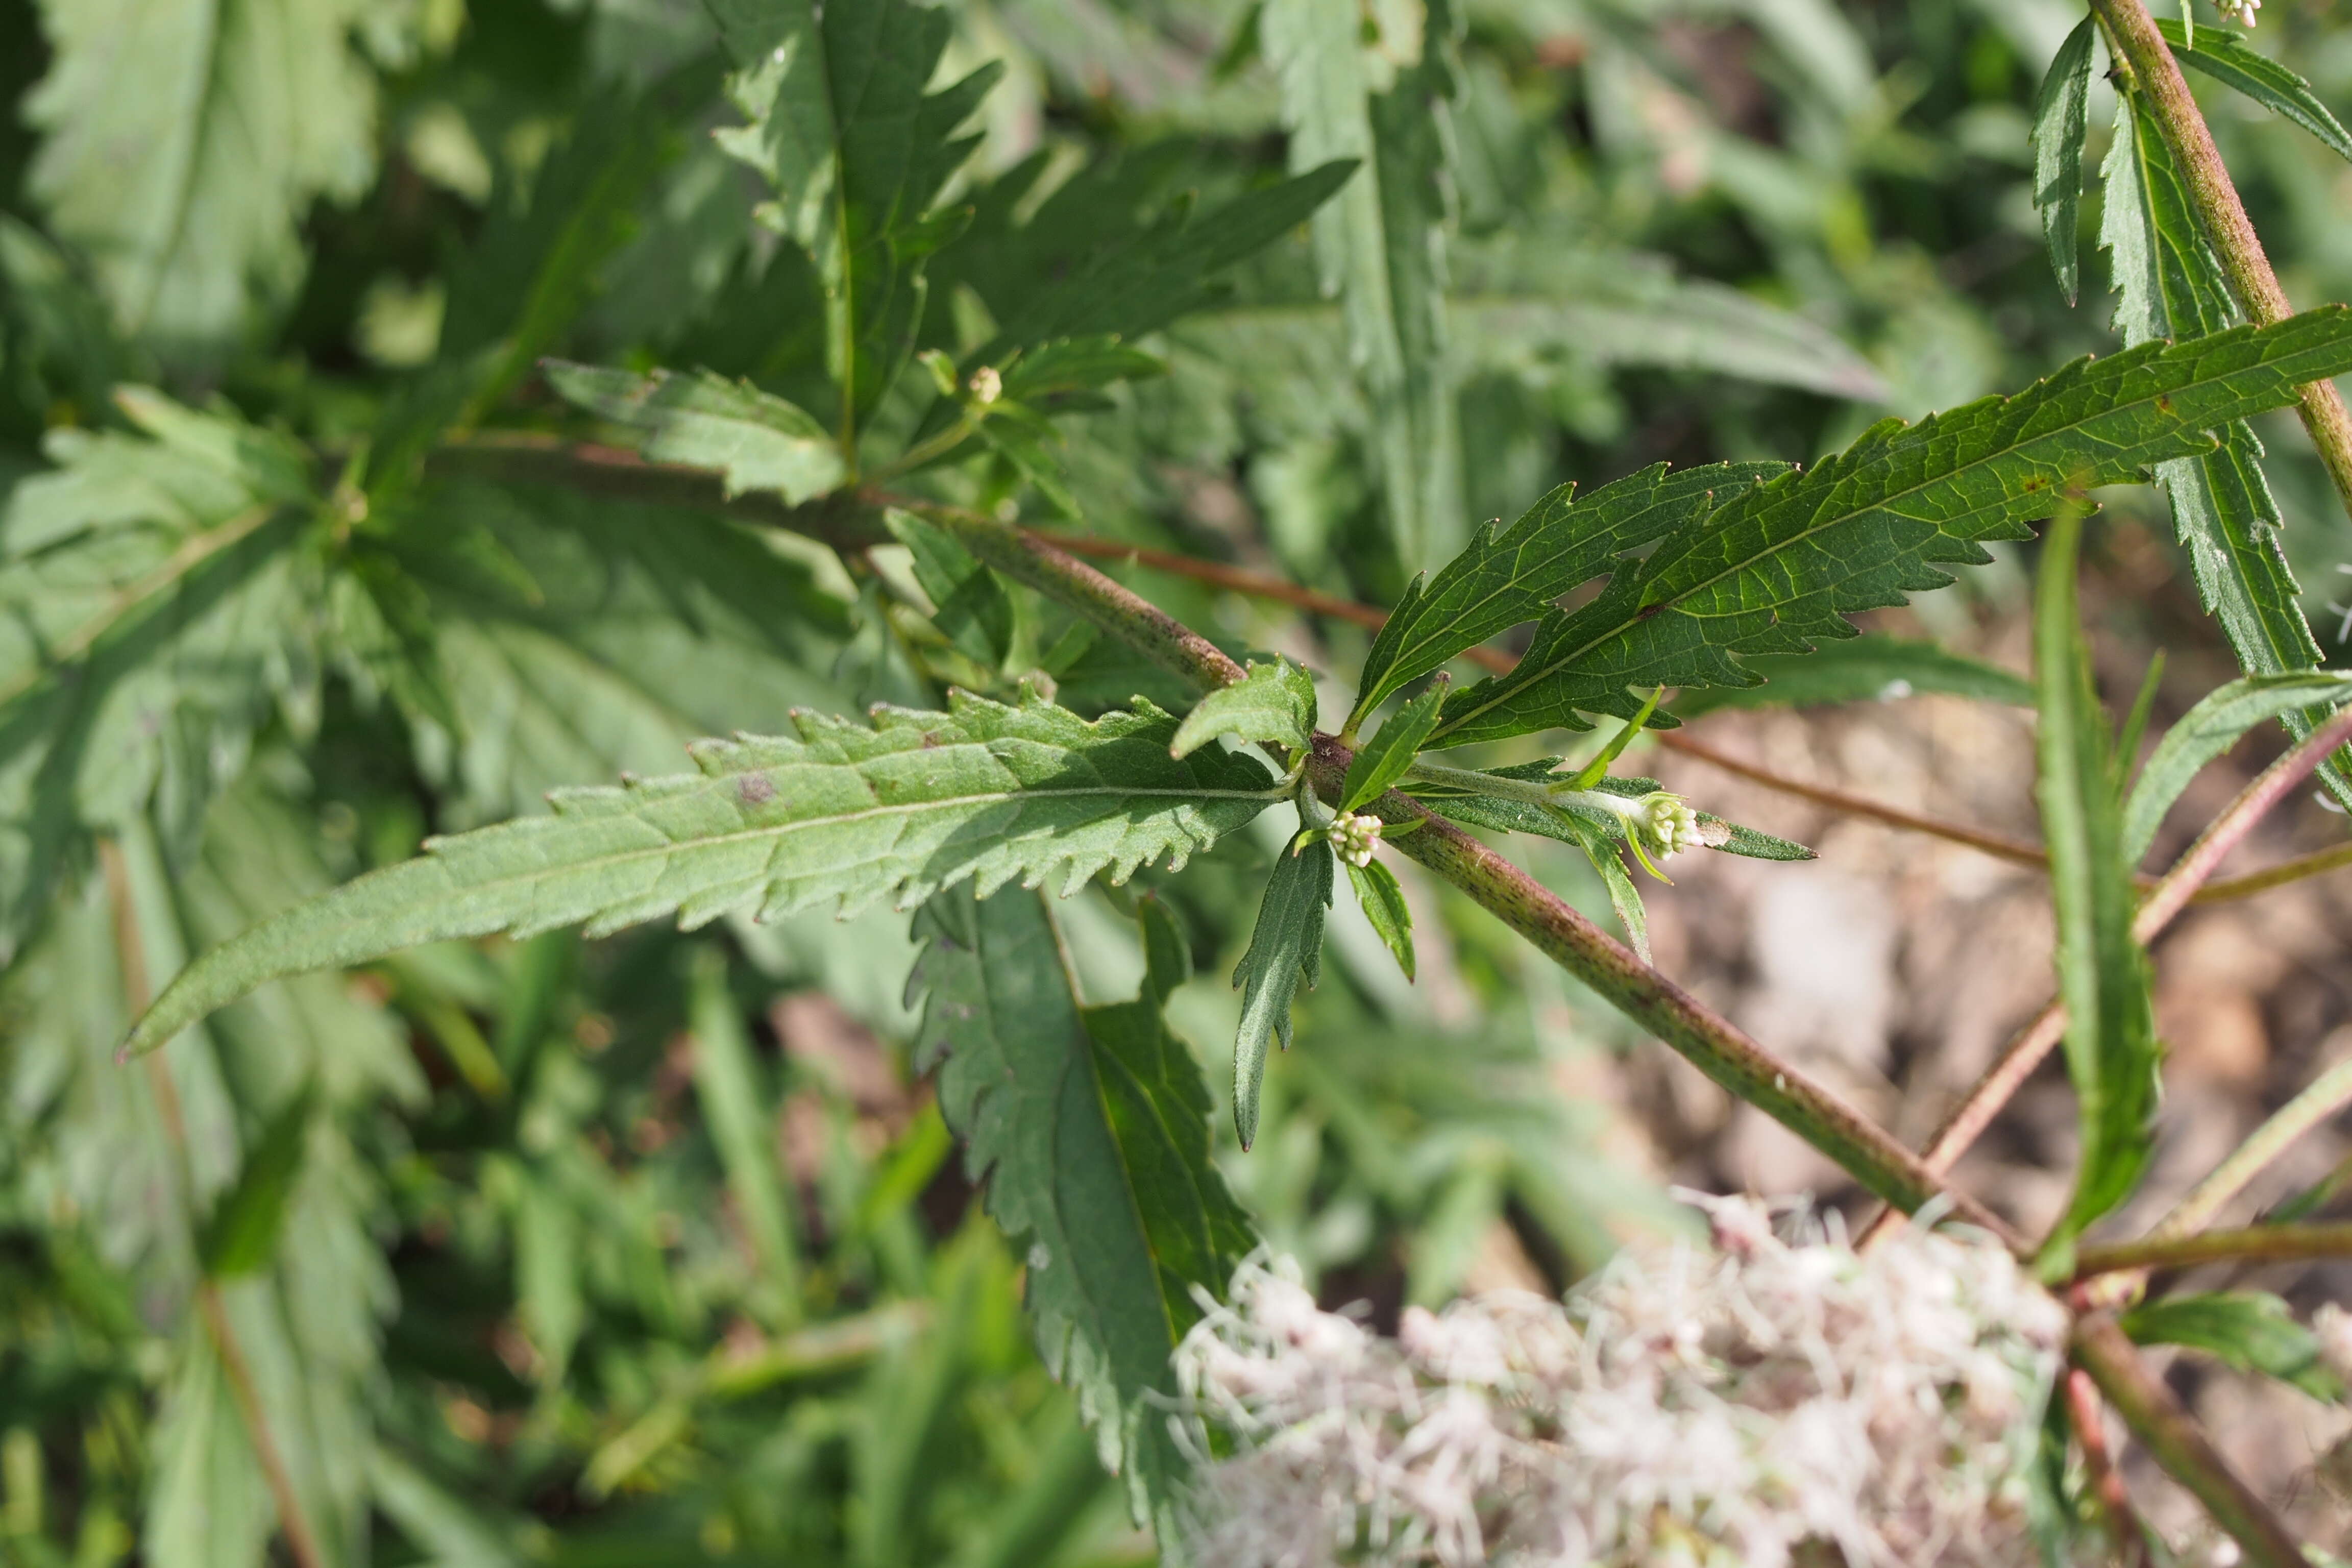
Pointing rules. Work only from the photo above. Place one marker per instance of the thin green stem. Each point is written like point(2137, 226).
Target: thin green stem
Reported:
point(2178, 1443)
point(2254, 1244)
point(2326, 1095)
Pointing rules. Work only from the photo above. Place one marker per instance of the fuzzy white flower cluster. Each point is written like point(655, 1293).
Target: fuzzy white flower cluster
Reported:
point(1353, 836)
point(2240, 11)
point(1698, 1407)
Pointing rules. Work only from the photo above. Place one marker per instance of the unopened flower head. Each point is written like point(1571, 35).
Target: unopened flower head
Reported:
point(987, 385)
point(1750, 1402)
point(1353, 836)
point(2240, 11)
point(1666, 822)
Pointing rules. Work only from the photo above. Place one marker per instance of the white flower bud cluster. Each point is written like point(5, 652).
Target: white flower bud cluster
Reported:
point(1667, 823)
point(987, 385)
point(1748, 1404)
point(1353, 836)
point(2240, 11)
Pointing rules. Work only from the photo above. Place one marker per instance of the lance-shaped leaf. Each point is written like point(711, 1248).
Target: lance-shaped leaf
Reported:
point(1384, 759)
point(2219, 721)
point(2169, 285)
point(1509, 575)
point(1274, 704)
point(1090, 1127)
point(1508, 813)
point(1382, 901)
point(1870, 667)
point(2111, 1050)
point(1784, 563)
point(836, 813)
point(2231, 61)
point(1380, 245)
point(1286, 952)
point(755, 439)
point(2059, 125)
point(2250, 1329)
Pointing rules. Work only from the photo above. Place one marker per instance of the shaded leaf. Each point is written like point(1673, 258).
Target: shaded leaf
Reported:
point(1870, 667)
point(240, 1234)
point(1286, 952)
point(1090, 1128)
point(2059, 125)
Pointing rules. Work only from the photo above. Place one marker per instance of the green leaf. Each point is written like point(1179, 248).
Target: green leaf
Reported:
point(240, 1234)
point(1286, 952)
point(1780, 566)
point(1522, 302)
point(1509, 575)
point(2219, 721)
point(2111, 1046)
point(1274, 704)
point(1077, 365)
point(969, 602)
point(2250, 1329)
point(528, 275)
point(1379, 245)
point(857, 151)
point(742, 1119)
point(2059, 126)
point(153, 615)
point(2169, 285)
point(1090, 1129)
point(634, 630)
point(1384, 759)
point(755, 439)
point(1092, 262)
point(2231, 61)
point(1383, 902)
point(184, 142)
point(1868, 668)
point(834, 813)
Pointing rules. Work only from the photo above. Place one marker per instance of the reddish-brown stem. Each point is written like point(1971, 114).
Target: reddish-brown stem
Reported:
point(2178, 1443)
point(2090, 1423)
point(2026, 1050)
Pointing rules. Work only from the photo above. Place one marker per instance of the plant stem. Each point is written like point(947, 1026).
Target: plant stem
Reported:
point(2278, 876)
point(2133, 31)
point(1709, 1042)
point(2178, 1443)
point(137, 991)
point(2090, 1419)
point(1874, 1156)
point(2172, 894)
point(2256, 1244)
point(2326, 1095)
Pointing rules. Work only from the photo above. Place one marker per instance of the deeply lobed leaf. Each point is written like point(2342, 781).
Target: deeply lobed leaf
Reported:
point(836, 812)
point(1784, 564)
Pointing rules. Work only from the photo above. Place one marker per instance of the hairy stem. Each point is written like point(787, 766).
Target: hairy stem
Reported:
point(1874, 1156)
point(2133, 31)
point(2326, 1095)
point(2090, 1421)
point(2254, 1244)
point(2175, 1442)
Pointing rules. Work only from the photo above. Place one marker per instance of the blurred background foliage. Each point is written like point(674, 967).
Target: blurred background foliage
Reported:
point(653, 1250)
